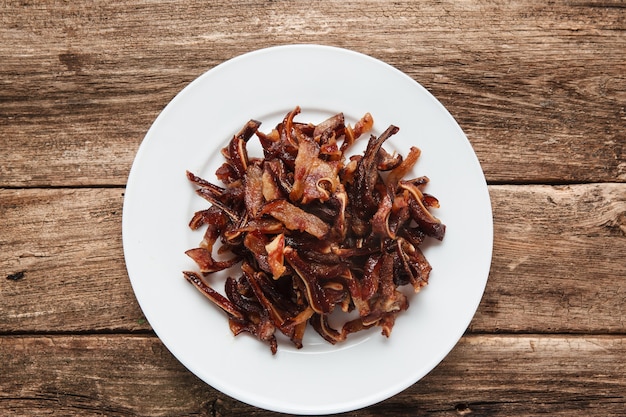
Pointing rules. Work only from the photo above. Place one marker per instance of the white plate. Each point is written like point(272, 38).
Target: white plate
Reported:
point(159, 201)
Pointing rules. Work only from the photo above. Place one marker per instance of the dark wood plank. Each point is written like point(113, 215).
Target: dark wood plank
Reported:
point(558, 262)
point(484, 375)
point(539, 88)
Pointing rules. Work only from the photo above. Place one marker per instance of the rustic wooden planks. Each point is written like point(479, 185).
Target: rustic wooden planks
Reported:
point(558, 261)
point(539, 88)
point(484, 375)
point(523, 79)
point(67, 244)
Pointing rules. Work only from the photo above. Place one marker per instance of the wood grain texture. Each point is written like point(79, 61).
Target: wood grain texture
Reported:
point(484, 375)
point(539, 88)
point(66, 244)
point(82, 82)
point(558, 262)
point(562, 271)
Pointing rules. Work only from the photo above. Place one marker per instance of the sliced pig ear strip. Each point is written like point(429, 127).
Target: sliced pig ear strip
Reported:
point(314, 229)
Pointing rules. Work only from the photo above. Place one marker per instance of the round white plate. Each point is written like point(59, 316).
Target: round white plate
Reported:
point(159, 202)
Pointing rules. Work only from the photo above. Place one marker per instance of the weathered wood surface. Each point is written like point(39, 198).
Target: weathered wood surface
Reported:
point(539, 88)
point(82, 82)
point(558, 263)
point(125, 375)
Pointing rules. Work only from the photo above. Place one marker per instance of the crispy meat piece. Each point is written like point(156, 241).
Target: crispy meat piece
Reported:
point(314, 178)
point(253, 190)
point(365, 197)
point(206, 263)
point(295, 218)
point(424, 218)
point(213, 295)
point(316, 231)
point(235, 153)
point(276, 256)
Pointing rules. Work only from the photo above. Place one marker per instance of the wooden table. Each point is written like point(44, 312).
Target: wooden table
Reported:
point(539, 88)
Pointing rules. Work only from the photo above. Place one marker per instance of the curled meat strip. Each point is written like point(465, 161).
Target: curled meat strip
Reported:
point(314, 230)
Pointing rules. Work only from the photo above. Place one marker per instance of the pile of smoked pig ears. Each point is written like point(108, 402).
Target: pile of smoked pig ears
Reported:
point(314, 230)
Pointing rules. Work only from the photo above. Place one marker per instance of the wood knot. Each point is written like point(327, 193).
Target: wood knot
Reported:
point(16, 276)
point(74, 62)
point(463, 409)
point(617, 226)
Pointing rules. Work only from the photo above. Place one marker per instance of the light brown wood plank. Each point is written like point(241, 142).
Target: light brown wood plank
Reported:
point(67, 244)
point(558, 261)
point(483, 375)
point(539, 88)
